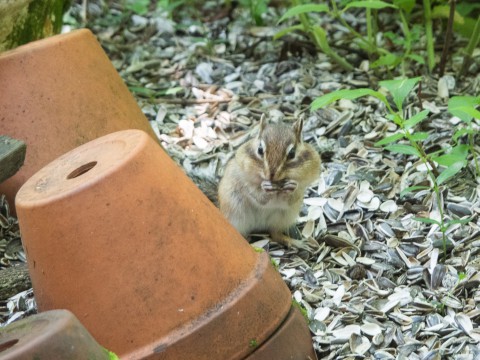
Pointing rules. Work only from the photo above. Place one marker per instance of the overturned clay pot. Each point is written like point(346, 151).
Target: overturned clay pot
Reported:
point(58, 93)
point(52, 335)
point(116, 233)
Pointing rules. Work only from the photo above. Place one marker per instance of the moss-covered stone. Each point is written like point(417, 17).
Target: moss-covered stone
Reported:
point(22, 21)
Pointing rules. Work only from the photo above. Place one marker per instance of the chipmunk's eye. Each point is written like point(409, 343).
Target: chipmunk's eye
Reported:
point(260, 150)
point(291, 154)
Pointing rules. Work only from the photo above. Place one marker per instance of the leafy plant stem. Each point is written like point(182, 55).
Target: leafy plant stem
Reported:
point(426, 161)
point(322, 45)
point(420, 149)
point(408, 39)
point(472, 44)
point(471, 140)
point(448, 37)
point(443, 228)
point(369, 27)
point(372, 46)
point(429, 32)
point(326, 48)
point(432, 172)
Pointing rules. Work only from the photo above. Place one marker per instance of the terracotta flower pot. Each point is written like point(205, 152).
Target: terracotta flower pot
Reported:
point(53, 335)
point(116, 233)
point(290, 341)
point(58, 93)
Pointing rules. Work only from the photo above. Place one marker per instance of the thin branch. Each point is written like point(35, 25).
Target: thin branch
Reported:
point(202, 101)
point(472, 44)
point(427, 9)
point(448, 37)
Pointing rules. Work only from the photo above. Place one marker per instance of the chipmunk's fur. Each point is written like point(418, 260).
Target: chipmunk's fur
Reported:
point(264, 184)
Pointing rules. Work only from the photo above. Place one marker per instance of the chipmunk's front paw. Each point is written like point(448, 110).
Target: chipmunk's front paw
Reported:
point(309, 245)
point(281, 238)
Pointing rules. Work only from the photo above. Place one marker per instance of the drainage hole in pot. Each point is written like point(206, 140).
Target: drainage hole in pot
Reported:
point(81, 170)
point(7, 344)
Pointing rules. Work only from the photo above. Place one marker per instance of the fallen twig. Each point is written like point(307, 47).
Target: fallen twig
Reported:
point(244, 100)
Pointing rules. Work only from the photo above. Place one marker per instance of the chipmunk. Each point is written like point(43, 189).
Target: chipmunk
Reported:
point(264, 184)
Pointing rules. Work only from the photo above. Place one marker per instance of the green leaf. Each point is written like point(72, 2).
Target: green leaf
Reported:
point(461, 132)
point(419, 136)
point(287, 30)
point(400, 89)
point(302, 9)
point(403, 149)
point(406, 5)
point(111, 355)
point(412, 189)
point(169, 5)
point(142, 91)
point(443, 11)
point(394, 38)
point(139, 7)
point(457, 221)
point(470, 110)
point(345, 94)
point(390, 139)
point(466, 8)
point(450, 171)
point(386, 60)
point(417, 58)
point(369, 4)
point(174, 90)
point(322, 40)
point(447, 160)
point(460, 149)
point(426, 220)
point(397, 119)
point(459, 106)
point(415, 119)
point(463, 101)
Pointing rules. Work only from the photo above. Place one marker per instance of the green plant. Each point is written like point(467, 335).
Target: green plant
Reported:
point(401, 50)
point(316, 33)
point(379, 55)
point(299, 306)
point(170, 6)
point(257, 8)
point(111, 355)
point(464, 107)
point(472, 44)
point(407, 141)
point(275, 264)
point(253, 343)
point(427, 8)
point(139, 7)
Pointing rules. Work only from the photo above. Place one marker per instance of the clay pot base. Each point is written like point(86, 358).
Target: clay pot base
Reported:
point(116, 233)
point(53, 335)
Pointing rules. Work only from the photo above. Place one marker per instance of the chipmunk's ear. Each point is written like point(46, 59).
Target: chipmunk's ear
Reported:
point(263, 124)
point(297, 129)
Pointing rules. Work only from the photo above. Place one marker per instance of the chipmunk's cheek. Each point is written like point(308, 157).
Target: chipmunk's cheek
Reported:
point(289, 186)
point(268, 186)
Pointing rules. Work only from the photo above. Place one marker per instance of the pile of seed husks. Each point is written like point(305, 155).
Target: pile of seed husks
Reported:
point(373, 281)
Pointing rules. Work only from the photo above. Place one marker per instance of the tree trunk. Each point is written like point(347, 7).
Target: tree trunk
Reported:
point(13, 280)
point(22, 21)
point(12, 156)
